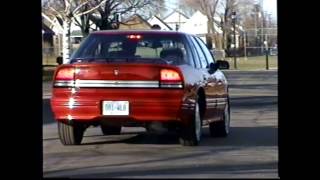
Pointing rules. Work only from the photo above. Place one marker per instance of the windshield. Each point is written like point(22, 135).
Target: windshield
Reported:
point(169, 49)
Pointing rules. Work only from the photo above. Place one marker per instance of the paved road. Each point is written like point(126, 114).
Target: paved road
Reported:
point(249, 152)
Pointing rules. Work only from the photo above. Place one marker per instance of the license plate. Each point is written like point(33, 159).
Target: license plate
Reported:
point(115, 108)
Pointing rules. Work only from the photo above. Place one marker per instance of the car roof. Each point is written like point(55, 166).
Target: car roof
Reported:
point(158, 32)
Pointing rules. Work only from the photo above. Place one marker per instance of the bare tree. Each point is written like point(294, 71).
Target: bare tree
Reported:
point(83, 20)
point(228, 7)
point(61, 13)
point(107, 15)
point(208, 8)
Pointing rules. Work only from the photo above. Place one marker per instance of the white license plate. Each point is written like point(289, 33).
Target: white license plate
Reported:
point(115, 108)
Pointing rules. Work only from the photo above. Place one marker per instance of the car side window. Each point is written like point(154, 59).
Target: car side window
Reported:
point(194, 52)
point(202, 58)
point(189, 50)
point(205, 50)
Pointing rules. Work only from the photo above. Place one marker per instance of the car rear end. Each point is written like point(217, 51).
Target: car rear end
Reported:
point(139, 92)
point(116, 87)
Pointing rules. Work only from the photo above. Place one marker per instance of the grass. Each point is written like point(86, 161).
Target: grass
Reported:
point(49, 60)
point(49, 64)
point(47, 74)
point(254, 63)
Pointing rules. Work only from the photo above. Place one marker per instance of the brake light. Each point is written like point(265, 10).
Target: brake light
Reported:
point(170, 79)
point(65, 74)
point(134, 36)
point(169, 75)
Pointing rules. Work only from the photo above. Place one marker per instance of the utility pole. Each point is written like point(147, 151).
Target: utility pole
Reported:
point(256, 11)
point(233, 17)
point(262, 23)
point(267, 46)
point(245, 45)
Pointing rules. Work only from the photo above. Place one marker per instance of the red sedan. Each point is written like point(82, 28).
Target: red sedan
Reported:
point(153, 79)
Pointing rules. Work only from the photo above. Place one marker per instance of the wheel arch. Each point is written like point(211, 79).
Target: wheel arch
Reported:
point(202, 101)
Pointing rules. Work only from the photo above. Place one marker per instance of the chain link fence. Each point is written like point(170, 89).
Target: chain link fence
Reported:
point(256, 49)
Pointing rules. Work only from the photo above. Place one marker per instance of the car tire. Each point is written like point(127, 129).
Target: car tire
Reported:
point(221, 128)
point(110, 130)
point(190, 135)
point(70, 134)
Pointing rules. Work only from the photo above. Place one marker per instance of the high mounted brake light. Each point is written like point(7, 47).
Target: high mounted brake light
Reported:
point(134, 37)
point(170, 79)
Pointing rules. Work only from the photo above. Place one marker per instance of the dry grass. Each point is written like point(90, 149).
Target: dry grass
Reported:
point(47, 73)
point(49, 60)
point(254, 63)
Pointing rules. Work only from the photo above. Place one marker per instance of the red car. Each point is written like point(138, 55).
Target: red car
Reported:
point(153, 79)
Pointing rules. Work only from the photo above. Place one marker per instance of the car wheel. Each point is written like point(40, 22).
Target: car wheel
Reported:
point(110, 130)
point(190, 134)
point(221, 128)
point(70, 134)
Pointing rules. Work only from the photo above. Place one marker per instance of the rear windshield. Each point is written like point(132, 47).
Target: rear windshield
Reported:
point(148, 48)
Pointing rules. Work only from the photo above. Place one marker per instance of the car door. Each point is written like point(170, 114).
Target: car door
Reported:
point(215, 88)
point(207, 81)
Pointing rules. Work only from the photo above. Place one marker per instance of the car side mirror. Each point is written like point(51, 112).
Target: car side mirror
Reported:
point(212, 67)
point(223, 64)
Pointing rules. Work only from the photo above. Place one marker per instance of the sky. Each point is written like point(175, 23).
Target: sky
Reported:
point(271, 7)
point(268, 5)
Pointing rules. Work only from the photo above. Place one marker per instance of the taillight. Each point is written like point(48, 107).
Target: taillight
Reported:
point(170, 79)
point(65, 74)
point(64, 77)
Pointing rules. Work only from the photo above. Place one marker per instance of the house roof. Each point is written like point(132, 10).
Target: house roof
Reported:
point(175, 11)
point(165, 24)
point(137, 16)
point(46, 30)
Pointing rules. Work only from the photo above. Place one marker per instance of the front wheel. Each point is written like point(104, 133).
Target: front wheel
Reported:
point(221, 128)
point(70, 134)
point(190, 134)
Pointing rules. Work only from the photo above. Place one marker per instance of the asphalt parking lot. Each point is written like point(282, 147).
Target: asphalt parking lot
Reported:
point(250, 151)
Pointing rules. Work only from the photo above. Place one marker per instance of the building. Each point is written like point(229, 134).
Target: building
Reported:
point(175, 19)
point(135, 22)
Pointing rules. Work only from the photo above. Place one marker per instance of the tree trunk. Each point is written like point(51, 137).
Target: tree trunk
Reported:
point(210, 30)
point(66, 41)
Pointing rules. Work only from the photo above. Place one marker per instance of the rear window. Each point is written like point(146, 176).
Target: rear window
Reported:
point(148, 48)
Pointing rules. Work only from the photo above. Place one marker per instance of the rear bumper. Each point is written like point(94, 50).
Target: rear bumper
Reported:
point(144, 104)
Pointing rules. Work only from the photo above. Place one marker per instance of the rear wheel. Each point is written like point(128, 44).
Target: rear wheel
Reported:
point(190, 134)
point(221, 128)
point(70, 134)
point(110, 130)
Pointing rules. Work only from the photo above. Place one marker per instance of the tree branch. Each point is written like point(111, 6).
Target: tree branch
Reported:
point(77, 22)
point(79, 6)
point(57, 13)
point(52, 22)
point(94, 8)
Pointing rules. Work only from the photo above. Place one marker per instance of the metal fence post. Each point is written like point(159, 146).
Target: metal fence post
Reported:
point(267, 58)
